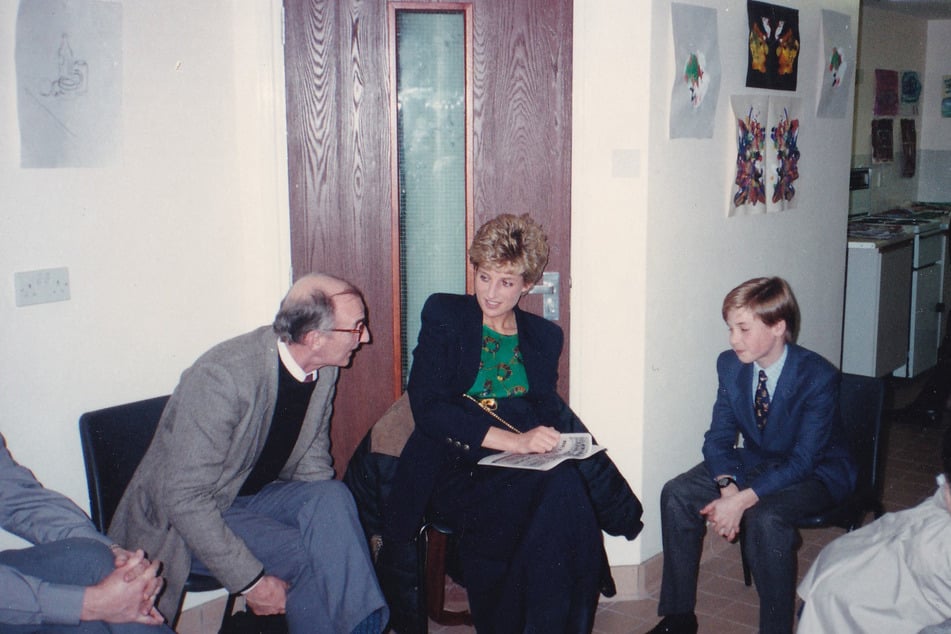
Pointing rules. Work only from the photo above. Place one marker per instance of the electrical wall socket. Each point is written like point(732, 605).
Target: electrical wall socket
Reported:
point(41, 286)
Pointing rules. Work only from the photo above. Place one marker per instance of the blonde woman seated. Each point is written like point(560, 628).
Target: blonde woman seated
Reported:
point(893, 575)
point(530, 543)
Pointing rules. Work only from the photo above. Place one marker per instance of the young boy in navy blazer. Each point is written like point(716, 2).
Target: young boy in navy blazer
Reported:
point(793, 461)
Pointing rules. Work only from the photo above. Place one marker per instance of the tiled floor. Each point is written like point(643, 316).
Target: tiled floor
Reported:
point(724, 604)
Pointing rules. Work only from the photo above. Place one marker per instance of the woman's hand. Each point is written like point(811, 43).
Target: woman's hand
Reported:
point(537, 440)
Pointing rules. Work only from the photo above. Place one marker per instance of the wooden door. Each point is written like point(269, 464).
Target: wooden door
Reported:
point(338, 100)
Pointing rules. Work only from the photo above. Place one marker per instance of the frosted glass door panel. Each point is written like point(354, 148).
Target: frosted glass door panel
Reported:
point(431, 137)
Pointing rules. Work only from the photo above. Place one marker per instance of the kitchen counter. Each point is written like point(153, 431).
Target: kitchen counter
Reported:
point(863, 236)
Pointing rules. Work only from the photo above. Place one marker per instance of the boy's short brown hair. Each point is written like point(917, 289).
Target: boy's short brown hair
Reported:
point(769, 298)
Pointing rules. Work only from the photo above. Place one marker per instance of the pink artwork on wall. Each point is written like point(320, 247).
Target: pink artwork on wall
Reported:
point(886, 93)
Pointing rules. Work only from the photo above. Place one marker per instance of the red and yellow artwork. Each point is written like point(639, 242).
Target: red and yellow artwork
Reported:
point(773, 42)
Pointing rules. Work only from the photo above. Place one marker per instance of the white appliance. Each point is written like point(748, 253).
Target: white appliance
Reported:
point(927, 278)
point(877, 296)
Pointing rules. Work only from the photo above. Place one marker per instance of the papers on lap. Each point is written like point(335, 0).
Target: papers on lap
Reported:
point(571, 447)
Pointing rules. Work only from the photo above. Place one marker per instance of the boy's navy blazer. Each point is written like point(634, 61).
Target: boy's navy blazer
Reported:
point(803, 436)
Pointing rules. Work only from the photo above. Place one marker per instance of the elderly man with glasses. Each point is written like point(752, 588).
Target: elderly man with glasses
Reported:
point(238, 481)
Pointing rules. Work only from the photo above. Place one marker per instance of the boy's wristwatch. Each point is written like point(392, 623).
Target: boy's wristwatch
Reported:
point(725, 481)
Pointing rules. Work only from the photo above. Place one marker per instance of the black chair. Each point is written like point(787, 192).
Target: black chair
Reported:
point(860, 401)
point(114, 440)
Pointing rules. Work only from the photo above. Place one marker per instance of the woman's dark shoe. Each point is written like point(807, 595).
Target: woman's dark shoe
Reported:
point(676, 624)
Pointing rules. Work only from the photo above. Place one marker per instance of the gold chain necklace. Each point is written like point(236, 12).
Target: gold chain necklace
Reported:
point(489, 405)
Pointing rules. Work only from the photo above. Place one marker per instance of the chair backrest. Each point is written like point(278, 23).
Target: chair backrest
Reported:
point(860, 401)
point(114, 440)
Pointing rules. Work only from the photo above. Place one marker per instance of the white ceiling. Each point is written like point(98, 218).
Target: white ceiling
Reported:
point(927, 9)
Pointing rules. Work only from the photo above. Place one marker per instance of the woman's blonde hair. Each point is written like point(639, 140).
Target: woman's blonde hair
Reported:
point(510, 240)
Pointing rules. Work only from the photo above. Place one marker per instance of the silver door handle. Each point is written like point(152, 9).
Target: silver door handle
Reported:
point(549, 288)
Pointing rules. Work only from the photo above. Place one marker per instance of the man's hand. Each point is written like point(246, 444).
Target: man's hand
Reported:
point(122, 557)
point(127, 594)
point(725, 513)
point(268, 596)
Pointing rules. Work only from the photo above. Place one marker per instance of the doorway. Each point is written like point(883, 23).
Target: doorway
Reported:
point(340, 136)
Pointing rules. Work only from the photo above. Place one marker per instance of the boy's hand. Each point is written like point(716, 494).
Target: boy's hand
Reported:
point(725, 513)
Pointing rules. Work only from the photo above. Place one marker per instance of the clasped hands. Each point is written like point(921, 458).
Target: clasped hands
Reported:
point(128, 593)
point(724, 513)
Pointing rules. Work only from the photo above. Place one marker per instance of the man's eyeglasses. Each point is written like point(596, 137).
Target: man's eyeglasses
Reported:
point(358, 331)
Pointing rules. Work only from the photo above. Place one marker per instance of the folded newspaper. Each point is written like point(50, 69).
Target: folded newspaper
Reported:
point(570, 447)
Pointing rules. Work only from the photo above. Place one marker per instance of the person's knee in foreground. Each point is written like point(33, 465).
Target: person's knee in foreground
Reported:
point(240, 461)
point(793, 459)
point(892, 575)
point(72, 576)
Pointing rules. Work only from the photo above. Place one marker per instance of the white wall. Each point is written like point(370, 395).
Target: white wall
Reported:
point(611, 76)
point(889, 41)
point(937, 129)
point(182, 245)
point(186, 242)
point(896, 41)
point(934, 183)
point(653, 250)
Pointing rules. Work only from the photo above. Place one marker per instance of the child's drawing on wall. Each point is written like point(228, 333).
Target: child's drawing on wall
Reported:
point(749, 185)
point(773, 45)
point(838, 60)
point(69, 83)
point(693, 99)
point(783, 160)
point(886, 93)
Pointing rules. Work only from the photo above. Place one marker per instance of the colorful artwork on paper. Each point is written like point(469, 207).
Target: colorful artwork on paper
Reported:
point(773, 46)
point(886, 93)
point(882, 143)
point(782, 159)
point(767, 154)
point(693, 99)
point(909, 148)
point(910, 93)
point(749, 184)
point(838, 61)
